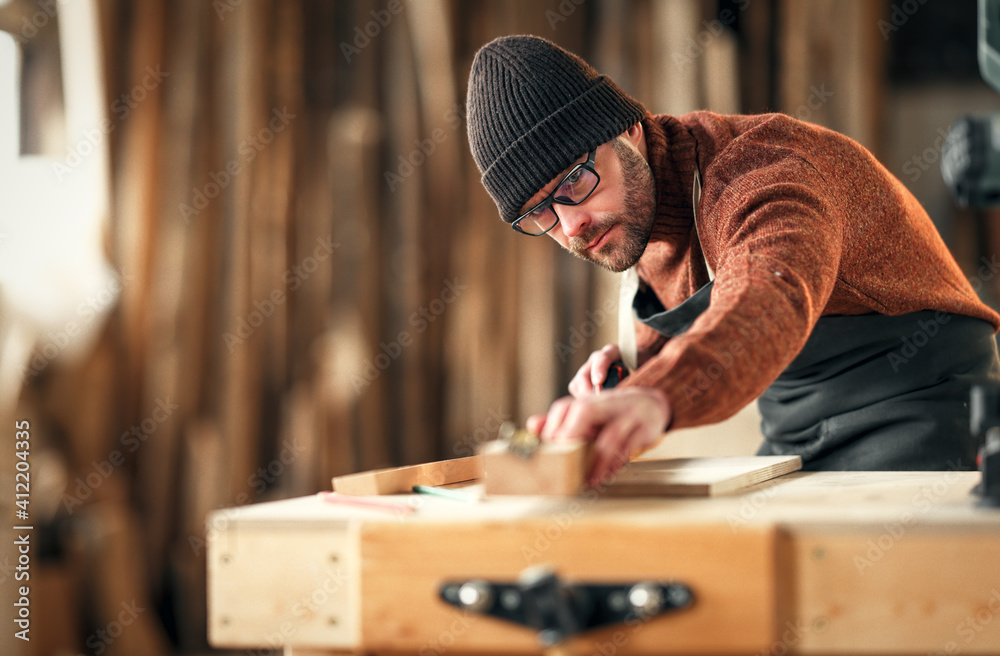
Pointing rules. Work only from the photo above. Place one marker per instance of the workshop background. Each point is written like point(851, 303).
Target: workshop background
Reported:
point(295, 272)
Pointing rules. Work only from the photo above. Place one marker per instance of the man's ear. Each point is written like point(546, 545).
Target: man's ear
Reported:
point(634, 134)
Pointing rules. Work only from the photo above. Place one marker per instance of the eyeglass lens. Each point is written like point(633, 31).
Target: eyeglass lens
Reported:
point(573, 189)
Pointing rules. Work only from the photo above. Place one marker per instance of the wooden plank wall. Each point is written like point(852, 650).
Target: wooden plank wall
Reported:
point(316, 282)
point(832, 65)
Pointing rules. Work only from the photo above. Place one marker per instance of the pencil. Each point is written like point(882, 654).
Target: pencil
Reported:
point(444, 493)
point(362, 502)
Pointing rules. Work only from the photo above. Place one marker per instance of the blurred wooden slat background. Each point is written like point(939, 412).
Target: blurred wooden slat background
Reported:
point(316, 283)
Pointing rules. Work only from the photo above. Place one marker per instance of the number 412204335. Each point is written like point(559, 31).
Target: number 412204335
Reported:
point(22, 447)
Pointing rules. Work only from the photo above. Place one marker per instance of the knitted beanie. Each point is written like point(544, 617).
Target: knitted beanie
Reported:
point(533, 109)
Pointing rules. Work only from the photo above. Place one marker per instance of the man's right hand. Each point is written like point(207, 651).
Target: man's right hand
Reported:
point(593, 371)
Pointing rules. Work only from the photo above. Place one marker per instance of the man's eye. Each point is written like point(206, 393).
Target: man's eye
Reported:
point(567, 190)
point(538, 210)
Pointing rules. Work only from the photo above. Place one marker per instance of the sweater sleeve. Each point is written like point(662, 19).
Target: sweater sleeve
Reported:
point(775, 240)
point(648, 341)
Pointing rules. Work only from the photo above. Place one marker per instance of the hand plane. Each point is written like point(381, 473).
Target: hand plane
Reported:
point(519, 462)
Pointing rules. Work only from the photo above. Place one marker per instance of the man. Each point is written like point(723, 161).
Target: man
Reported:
point(775, 259)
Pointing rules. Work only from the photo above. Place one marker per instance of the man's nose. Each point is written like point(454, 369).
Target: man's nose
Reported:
point(573, 219)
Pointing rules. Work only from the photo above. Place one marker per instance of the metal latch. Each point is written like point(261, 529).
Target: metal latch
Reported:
point(559, 610)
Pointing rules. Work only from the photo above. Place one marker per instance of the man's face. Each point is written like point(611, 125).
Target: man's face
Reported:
point(612, 227)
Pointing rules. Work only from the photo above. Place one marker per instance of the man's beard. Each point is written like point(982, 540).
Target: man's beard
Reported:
point(636, 220)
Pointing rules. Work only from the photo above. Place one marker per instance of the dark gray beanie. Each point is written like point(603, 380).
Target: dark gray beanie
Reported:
point(534, 108)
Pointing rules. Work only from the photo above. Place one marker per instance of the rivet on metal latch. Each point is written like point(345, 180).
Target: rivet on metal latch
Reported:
point(679, 595)
point(510, 599)
point(475, 595)
point(646, 598)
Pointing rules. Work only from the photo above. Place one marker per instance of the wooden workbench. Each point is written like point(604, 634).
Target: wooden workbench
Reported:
point(811, 563)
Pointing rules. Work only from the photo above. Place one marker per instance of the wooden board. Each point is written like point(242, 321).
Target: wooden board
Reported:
point(705, 477)
point(400, 480)
point(558, 469)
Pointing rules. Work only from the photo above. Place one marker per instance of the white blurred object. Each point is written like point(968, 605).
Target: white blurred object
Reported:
point(56, 287)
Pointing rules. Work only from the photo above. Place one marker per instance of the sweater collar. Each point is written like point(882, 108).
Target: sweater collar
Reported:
point(672, 157)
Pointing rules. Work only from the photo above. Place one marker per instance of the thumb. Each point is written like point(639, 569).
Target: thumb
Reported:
point(535, 423)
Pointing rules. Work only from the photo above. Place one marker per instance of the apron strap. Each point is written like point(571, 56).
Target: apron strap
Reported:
point(628, 285)
point(629, 349)
point(695, 199)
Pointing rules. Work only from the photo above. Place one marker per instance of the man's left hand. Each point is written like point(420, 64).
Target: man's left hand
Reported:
point(620, 422)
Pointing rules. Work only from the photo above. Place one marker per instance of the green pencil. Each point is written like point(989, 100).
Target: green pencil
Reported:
point(445, 493)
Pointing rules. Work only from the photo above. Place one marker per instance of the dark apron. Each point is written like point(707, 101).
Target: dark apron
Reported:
point(868, 392)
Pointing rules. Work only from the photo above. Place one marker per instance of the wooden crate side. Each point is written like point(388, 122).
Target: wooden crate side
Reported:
point(272, 586)
point(896, 588)
point(404, 564)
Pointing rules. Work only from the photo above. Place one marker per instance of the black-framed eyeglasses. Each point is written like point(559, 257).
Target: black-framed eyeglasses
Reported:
point(575, 187)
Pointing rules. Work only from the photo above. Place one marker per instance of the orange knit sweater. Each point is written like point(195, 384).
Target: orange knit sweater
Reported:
point(797, 222)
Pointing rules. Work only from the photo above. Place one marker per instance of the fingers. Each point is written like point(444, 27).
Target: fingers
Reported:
point(582, 419)
point(612, 448)
point(619, 422)
point(535, 424)
point(555, 418)
point(601, 360)
point(593, 371)
point(581, 386)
